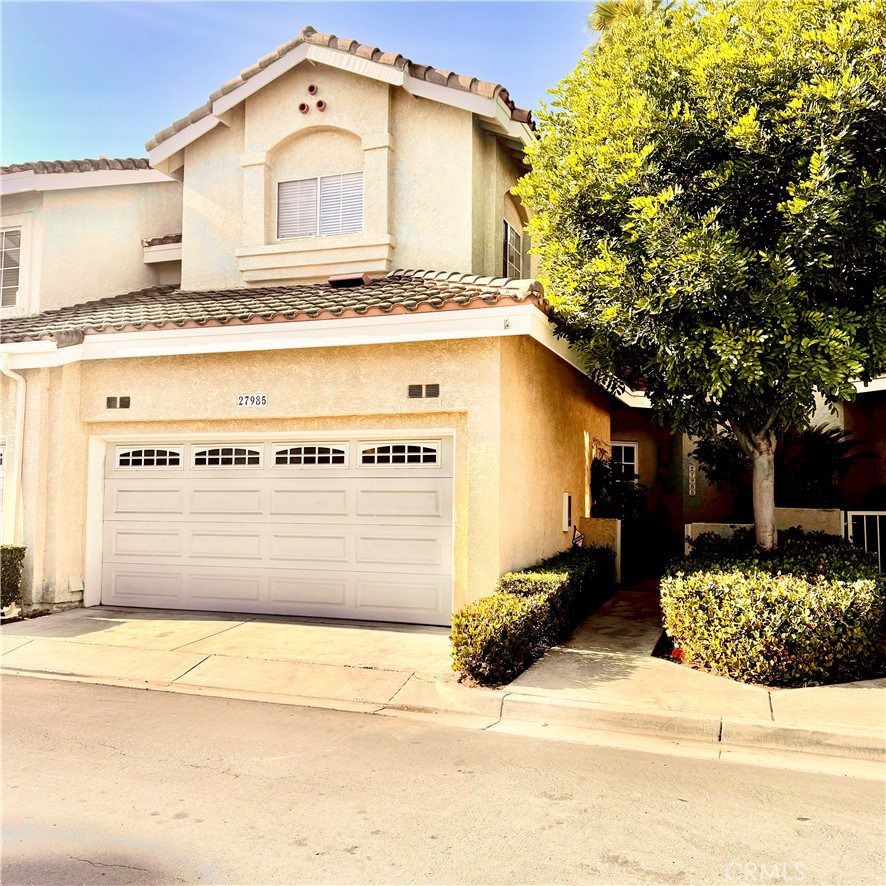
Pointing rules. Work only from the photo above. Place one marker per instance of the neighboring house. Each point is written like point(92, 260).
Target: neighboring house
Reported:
point(299, 427)
point(72, 231)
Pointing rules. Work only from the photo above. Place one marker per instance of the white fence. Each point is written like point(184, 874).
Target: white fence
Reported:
point(867, 529)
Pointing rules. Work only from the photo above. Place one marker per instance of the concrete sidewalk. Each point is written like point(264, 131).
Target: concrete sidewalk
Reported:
point(601, 685)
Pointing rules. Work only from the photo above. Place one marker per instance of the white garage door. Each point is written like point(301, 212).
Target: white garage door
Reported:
point(341, 528)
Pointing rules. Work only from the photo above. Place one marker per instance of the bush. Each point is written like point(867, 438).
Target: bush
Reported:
point(498, 637)
point(11, 560)
point(809, 612)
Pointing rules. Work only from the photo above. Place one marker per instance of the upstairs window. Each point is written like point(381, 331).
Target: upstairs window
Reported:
point(512, 253)
point(329, 204)
point(10, 260)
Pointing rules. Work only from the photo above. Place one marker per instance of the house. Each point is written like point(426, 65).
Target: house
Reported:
point(294, 363)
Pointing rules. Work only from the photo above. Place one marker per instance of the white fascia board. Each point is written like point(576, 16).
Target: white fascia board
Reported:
point(68, 181)
point(261, 79)
point(182, 139)
point(162, 252)
point(878, 384)
point(17, 182)
point(525, 319)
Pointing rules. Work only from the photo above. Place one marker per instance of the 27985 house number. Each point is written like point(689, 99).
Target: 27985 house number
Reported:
point(252, 400)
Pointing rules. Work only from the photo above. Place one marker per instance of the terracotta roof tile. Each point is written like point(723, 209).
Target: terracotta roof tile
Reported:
point(361, 50)
point(161, 241)
point(44, 167)
point(166, 307)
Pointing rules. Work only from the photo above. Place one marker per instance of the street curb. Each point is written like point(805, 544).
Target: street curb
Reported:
point(722, 732)
point(585, 715)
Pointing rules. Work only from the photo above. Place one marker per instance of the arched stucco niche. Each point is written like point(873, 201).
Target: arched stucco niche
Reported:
point(320, 150)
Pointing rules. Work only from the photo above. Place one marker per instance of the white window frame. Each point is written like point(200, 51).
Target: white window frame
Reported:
point(319, 220)
point(123, 450)
point(509, 267)
point(205, 447)
point(12, 229)
point(284, 447)
point(626, 444)
point(363, 445)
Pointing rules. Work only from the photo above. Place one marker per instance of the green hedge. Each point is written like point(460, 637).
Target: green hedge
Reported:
point(809, 612)
point(498, 637)
point(11, 559)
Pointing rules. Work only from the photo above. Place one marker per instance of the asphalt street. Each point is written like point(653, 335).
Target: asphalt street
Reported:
point(116, 786)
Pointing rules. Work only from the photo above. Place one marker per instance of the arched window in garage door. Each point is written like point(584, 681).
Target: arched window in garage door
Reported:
point(312, 455)
point(149, 457)
point(400, 454)
point(227, 457)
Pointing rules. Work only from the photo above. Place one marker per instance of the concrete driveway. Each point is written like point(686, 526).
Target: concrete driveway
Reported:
point(346, 665)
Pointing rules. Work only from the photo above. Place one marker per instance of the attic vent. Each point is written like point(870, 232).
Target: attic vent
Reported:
point(343, 281)
point(418, 391)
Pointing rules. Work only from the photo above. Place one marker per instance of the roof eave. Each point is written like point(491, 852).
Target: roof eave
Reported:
point(207, 117)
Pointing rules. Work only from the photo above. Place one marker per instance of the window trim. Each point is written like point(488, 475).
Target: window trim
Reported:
point(626, 444)
point(363, 445)
point(318, 179)
point(506, 251)
point(279, 448)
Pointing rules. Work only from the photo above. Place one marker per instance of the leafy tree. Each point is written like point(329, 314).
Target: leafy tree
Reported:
point(607, 14)
point(710, 199)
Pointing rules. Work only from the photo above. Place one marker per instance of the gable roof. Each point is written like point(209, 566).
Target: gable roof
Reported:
point(308, 36)
point(166, 307)
point(47, 167)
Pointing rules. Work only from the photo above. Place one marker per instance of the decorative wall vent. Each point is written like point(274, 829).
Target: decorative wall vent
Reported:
point(117, 403)
point(417, 391)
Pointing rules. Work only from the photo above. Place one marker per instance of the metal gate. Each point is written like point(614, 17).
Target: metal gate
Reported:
point(867, 529)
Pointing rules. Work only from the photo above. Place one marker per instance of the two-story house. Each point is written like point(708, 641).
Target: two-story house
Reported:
point(350, 405)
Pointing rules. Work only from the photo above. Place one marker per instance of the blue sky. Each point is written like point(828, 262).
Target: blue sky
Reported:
point(84, 79)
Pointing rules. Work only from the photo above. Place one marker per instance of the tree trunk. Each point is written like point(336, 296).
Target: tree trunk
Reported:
point(763, 460)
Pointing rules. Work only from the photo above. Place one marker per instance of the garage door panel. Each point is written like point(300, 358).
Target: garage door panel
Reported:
point(309, 548)
point(134, 499)
point(423, 501)
point(132, 585)
point(396, 547)
point(419, 599)
point(135, 540)
point(239, 589)
point(292, 591)
point(219, 544)
point(225, 499)
point(309, 502)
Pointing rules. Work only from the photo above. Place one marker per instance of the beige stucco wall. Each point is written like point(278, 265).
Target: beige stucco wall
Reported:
point(551, 419)
point(524, 423)
point(85, 243)
point(435, 185)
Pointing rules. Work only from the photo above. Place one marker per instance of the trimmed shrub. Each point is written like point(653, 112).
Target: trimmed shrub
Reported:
point(498, 637)
point(11, 560)
point(809, 612)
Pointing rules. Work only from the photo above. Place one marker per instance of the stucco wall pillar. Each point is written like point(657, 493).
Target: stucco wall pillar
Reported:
point(378, 172)
point(255, 198)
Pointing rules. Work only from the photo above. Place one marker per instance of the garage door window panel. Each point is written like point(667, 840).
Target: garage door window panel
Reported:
point(311, 455)
point(149, 457)
point(228, 457)
point(394, 454)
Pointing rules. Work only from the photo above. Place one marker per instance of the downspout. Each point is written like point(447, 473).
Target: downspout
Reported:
point(12, 535)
